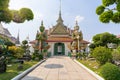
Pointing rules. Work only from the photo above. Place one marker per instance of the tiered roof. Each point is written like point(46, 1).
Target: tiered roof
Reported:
point(4, 31)
point(59, 39)
point(60, 32)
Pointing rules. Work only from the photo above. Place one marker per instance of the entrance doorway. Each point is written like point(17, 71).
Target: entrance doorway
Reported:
point(59, 49)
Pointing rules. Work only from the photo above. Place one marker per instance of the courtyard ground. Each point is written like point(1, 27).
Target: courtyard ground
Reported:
point(59, 68)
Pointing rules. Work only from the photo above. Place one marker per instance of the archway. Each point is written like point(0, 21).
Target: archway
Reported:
point(59, 49)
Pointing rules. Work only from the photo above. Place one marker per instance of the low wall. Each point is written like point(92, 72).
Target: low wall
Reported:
point(90, 71)
point(20, 76)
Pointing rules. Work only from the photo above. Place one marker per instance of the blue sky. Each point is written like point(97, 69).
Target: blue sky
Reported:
point(47, 10)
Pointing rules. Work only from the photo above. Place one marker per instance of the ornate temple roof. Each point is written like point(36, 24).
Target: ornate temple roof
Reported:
point(60, 32)
point(1, 29)
point(7, 33)
point(4, 31)
point(59, 39)
point(59, 28)
point(118, 36)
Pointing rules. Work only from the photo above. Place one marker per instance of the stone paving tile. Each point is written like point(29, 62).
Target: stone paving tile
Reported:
point(59, 68)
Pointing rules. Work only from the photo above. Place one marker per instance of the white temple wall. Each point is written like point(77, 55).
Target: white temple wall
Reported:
point(51, 49)
point(66, 48)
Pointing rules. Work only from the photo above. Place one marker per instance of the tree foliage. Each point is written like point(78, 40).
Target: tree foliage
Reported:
point(108, 11)
point(26, 13)
point(106, 16)
point(116, 54)
point(16, 51)
point(4, 4)
point(18, 16)
point(116, 17)
point(24, 45)
point(110, 72)
point(103, 39)
point(102, 55)
point(100, 9)
point(24, 42)
point(5, 16)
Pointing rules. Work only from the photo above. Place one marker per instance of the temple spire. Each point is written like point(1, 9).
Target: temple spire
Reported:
point(60, 17)
point(76, 27)
point(17, 40)
point(60, 8)
point(27, 38)
point(77, 23)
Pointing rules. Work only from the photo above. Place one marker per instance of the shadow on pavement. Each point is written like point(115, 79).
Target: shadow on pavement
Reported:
point(52, 66)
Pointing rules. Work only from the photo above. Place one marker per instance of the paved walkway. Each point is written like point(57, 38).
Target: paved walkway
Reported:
point(59, 68)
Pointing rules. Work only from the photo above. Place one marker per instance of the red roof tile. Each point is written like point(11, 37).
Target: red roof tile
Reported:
point(59, 39)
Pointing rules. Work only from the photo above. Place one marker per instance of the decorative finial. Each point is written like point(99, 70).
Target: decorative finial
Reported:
point(42, 23)
point(42, 28)
point(76, 26)
point(60, 9)
point(60, 18)
point(76, 23)
point(27, 38)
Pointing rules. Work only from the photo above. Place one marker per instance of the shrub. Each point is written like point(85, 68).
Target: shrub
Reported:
point(116, 54)
point(40, 57)
point(48, 54)
point(102, 55)
point(16, 51)
point(110, 72)
point(37, 56)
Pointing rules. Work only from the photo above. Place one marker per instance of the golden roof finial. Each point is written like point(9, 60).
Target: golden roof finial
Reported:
point(76, 23)
point(60, 17)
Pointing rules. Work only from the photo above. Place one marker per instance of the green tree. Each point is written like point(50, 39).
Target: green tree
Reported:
point(102, 55)
point(110, 72)
point(5, 43)
point(24, 45)
point(25, 42)
point(103, 39)
point(16, 51)
point(7, 15)
point(116, 54)
point(9, 43)
point(108, 11)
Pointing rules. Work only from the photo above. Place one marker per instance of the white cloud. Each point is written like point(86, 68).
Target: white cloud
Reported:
point(17, 4)
point(38, 15)
point(79, 18)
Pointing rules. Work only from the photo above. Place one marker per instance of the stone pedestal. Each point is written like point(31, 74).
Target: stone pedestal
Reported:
point(73, 55)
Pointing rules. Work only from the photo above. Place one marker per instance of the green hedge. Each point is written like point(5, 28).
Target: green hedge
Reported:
point(110, 72)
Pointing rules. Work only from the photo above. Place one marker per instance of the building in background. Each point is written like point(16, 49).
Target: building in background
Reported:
point(60, 38)
point(4, 32)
